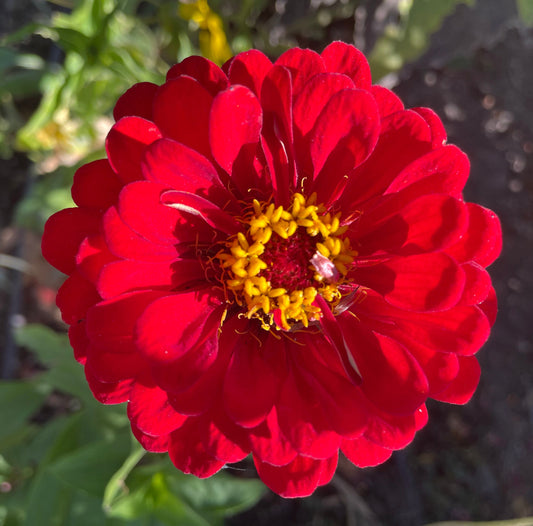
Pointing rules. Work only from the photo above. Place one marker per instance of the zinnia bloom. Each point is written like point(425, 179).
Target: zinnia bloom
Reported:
point(275, 259)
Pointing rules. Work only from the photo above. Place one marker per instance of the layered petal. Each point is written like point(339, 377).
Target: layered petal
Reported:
point(64, 232)
point(126, 143)
point(423, 283)
point(173, 325)
point(299, 478)
point(181, 111)
point(253, 380)
point(207, 73)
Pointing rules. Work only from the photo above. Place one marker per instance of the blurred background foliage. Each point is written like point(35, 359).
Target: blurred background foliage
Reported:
point(61, 74)
point(65, 459)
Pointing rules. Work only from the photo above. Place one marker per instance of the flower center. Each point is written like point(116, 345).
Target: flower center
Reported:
point(285, 258)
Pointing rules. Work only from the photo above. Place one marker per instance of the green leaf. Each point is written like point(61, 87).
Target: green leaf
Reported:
point(18, 402)
point(525, 10)
point(153, 498)
point(54, 351)
point(48, 502)
point(218, 496)
point(21, 84)
point(159, 489)
point(90, 467)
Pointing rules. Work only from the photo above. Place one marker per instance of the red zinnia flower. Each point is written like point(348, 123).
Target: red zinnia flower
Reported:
point(275, 259)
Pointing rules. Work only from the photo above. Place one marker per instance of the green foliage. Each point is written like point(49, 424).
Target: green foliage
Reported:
point(49, 194)
point(405, 41)
point(81, 466)
point(106, 51)
point(525, 10)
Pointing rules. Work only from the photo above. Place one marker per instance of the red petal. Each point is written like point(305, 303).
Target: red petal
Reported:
point(149, 410)
point(110, 367)
point(126, 143)
point(302, 64)
point(386, 100)
point(394, 432)
point(477, 284)
point(333, 332)
point(172, 164)
point(74, 297)
point(92, 255)
point(96, 185)
point(462, 388)
point(424, 282)
point(173, 325)
point(364, 453)
point(234, 126)
point(126, 275)
point(180, 375)
point(444, 170)
point(207, 73)
point(345, 132)
point(440, 368)
point(109, 393)
point(490, 307)
point(461, 330)
point(438, 133)
point(142, 209)
point(391, 377)
point(299, 478)
point(202, 394)
point(269, 444)
point(63, 233)
point(249, 69)
point(191, 204)
point(181, 110)
point(188, 453)
point(277, 133)
point(345, 58)
point(407, 227)
point(252, 380)
point(343, 405)
point(223, 445)
point(79, 341)
point(138, 101)
point(125, 243)
point(158, 444)
point(404, 137)
point(314, 96)
point(110, 323)
point(329, 466)
point(303, 424)
point(482, 242)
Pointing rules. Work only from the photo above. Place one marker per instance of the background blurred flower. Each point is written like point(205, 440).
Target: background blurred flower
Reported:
point(212, 39)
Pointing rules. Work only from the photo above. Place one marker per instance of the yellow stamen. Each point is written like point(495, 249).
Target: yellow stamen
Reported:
point(246, 273)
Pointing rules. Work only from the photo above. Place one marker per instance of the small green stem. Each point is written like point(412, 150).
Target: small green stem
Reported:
point(116, 484)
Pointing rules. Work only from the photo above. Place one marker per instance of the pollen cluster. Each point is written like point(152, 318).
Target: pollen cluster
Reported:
point(285, 259)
